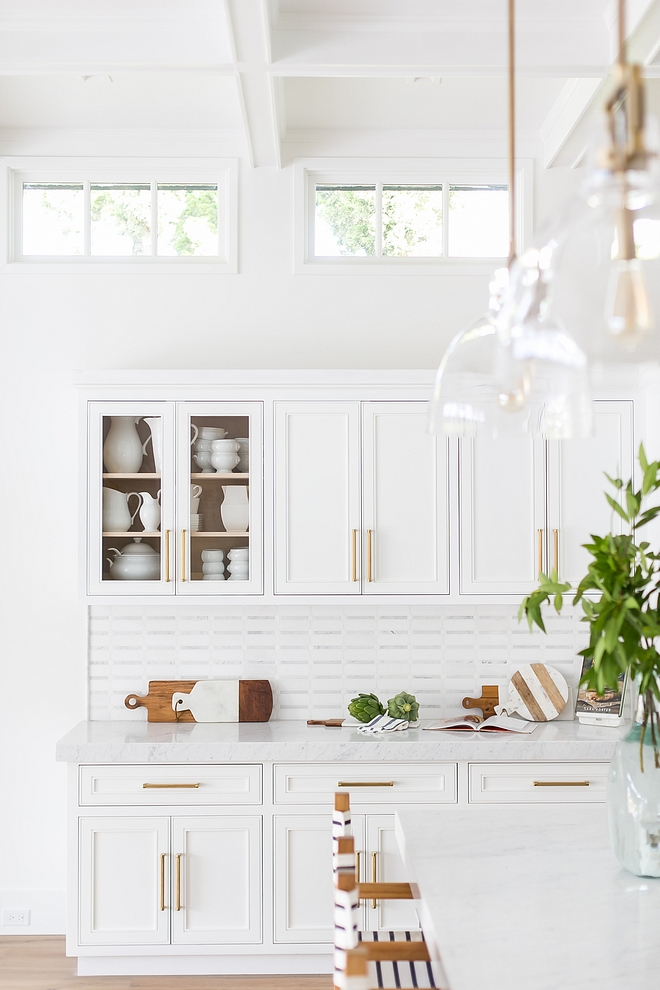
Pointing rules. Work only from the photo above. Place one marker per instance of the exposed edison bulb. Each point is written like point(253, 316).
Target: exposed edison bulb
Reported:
point(628, 312)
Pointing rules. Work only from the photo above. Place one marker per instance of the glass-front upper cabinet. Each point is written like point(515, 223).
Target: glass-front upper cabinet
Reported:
point(131, 498)
point(175, 498)
point(219, 498)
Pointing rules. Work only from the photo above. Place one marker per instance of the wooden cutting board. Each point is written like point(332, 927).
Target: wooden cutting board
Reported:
point(255, 701)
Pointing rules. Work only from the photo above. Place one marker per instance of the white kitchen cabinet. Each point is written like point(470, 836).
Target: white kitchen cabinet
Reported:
point(383, 864)
point(528, 505)
point(124, 881)
point(361, 502)
point(217, 880)
point(167, 471)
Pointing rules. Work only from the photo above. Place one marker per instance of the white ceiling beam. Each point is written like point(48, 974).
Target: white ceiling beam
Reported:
point(568, 110)
point(258, 90)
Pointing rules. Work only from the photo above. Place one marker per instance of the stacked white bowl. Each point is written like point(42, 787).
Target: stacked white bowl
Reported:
point(213, 567)
point(202, 447)
point(224, 454)
point(195, 521)
point(243, 465)
point(239, 564)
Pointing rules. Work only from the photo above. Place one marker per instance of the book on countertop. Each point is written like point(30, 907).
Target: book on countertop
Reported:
point(475, 723)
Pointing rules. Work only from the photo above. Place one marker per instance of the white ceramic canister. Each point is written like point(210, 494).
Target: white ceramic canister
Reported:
point(209, 556)
point(123, 450)
point(239, 553)
point(235, 508)
point(239, 570)
point(213, 567)
point(117, 517)
point(150, 512)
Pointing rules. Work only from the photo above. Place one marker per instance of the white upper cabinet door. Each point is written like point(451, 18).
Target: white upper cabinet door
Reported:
point(317, 498)
point(124, 881)
point(219, 544)
point(405, 502)
point(216, 879)
point(502, 515)
point(130, 498)
point(577, 504)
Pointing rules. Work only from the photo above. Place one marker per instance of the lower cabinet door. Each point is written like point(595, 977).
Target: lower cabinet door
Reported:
point(216, 880)
point(384, 864)
point(304, 890)
point(124, 881)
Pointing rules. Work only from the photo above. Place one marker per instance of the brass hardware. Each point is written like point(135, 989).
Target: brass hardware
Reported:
point(178, 881)
point(555, 541)
point(365, 783)
point(354, 556)
point(183, 555)
point(167, 555)
point(540, 549)
point(561, 783)
point(162, 881)
point(374, 873)
point(369, 554)
point(357, 866)
point(154, 786)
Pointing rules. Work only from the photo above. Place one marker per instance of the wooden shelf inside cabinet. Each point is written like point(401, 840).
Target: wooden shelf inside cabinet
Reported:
point(138, 474)
point(224, 475)
point(197, 532)
point(134, 536)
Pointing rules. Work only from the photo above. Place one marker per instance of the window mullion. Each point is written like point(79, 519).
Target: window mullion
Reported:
point(445, 218)
point(87, 219)
point(379, 219)
point(154, 218)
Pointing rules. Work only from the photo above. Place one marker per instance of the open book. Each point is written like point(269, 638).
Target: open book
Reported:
point(496, 723)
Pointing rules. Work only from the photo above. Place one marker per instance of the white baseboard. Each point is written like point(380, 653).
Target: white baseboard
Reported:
point(47, 911)
point(248, 965)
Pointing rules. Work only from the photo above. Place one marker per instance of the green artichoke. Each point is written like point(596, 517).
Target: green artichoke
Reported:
point(403, 706)
point(365, 707)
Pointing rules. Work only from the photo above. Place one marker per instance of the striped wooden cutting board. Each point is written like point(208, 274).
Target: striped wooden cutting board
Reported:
point(537, 692)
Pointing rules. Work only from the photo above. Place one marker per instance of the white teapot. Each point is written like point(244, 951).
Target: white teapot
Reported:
point(136, 561)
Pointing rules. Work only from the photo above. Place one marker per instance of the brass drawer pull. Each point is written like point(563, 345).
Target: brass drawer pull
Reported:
point(167, 555)
point(374, 874)
point(162, 881)
point(365, 783)
point(354, 556)
point(561, 783)
point(154, 786)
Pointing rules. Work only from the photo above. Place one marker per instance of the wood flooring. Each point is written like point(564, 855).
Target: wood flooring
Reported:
point(39, 963)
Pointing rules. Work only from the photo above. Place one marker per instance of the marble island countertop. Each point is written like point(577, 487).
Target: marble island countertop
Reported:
point(260, 742)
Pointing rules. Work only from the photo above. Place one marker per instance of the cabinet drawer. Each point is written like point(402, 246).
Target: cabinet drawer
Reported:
point(367, 783)
point(170, 785)
point(537, 783)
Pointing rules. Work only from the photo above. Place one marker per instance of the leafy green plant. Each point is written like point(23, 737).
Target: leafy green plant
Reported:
point(619, 598)
point(365, 707)
point(403, 706)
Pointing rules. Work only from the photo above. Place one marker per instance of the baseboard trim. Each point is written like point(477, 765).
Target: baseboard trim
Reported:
point(253, 965)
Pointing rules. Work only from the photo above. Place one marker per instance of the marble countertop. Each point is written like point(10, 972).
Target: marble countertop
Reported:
point(259, 742)
point(531, 897)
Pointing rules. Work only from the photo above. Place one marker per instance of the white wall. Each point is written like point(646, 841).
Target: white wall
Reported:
point(52, 324)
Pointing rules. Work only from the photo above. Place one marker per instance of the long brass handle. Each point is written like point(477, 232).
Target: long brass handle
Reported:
point(162, 881)
point(561, 783)
point(167, 555)
point(358, 860)
point(365, 783)
point(555, 541)
point(154, 786)
point(374, 873)
point(183, 555)
point(540, 549)
point(370, 576)
point(354, 556)
point(178, 881)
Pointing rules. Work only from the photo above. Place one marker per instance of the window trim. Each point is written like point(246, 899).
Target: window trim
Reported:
point(448, 171)
point(15, 171)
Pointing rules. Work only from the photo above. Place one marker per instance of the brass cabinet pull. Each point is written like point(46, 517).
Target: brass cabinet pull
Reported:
point(555, 540)
point(183, 555)
point(162, 881)
point(365, 783)
point(167, 555)
point(178, 881)
point(357, 866)
point(369, 561)
point(354, 556)
point(154, 786)
point(374, 873)
point(561, 783)
point(540, 549)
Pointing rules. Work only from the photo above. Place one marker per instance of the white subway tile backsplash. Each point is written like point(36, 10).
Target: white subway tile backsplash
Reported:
point(318, 657)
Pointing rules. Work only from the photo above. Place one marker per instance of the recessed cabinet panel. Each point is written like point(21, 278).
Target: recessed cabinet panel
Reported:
point(502, 505)
point(405, 502)
point(538, 783)
point(384, 865)
point(317, 505)
point(577, 505)
point(170, 785)
point(124, 881)
point(367, 783)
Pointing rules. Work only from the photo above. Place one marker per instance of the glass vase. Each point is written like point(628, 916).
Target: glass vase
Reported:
point(634, 801)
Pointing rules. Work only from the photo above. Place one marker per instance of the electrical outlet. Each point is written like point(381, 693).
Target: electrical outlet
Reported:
point(16, 916)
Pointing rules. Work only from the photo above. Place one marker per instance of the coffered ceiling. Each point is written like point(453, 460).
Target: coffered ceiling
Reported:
point(343, 77)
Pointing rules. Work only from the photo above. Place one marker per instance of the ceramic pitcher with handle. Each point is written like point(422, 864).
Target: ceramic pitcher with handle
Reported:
point(122, 450)
point(150, 511)
point(156, 439)
point(117, 517)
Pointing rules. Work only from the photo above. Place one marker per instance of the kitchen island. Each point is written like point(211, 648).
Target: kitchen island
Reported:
point(530, 897)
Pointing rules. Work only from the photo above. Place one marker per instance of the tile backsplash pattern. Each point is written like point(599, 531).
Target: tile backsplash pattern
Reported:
point(317, 657)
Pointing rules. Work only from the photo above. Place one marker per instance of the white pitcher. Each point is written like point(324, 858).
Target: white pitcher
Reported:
point(235, 508)
point(122, 450)
point(150, 512)
point(117, 516)
point(156, 438)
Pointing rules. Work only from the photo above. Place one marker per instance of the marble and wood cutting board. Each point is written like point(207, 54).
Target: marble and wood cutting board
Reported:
point(255, 701)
